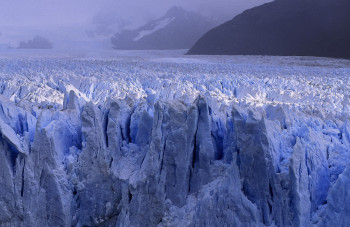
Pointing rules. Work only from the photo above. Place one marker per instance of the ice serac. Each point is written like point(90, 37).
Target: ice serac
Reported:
point(253, 154)
point(299, 191)
point(203, 153)
point(230, 151)
point(80, 159)
point(335, 214)
point(98, 191)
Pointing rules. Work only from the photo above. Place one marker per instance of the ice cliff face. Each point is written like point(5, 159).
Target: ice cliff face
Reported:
point(138, 142)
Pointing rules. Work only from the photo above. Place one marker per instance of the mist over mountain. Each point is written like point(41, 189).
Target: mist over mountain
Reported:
point(283, 27)
point(37, 42)
point(90, 24)
point(177, 29)
point(106, 25)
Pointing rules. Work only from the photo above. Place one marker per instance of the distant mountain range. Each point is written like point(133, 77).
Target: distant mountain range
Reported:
point(177, 29)
point(283, 27)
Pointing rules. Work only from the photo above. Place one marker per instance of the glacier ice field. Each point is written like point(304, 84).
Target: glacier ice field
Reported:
point(163, 139)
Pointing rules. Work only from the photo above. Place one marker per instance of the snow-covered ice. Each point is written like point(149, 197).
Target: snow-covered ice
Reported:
point(148, 138)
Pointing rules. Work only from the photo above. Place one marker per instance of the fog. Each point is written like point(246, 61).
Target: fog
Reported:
point(94, 21)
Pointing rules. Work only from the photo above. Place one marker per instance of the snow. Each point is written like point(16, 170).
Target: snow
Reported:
point(161, 24)
point(159, 138)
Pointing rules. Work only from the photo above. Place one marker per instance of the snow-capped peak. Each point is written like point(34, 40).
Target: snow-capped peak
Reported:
point(161, 24)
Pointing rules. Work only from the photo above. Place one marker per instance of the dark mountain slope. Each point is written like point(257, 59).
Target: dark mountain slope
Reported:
point(284, 27)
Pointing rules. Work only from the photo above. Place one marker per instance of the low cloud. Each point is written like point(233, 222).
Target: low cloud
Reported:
point(66, 12)
point(37, 42)
point(68, 21)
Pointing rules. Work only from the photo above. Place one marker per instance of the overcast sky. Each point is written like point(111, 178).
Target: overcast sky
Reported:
point(20, 16)
point(65, 12)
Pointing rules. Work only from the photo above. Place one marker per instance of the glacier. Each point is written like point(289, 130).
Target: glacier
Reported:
point(162, 139)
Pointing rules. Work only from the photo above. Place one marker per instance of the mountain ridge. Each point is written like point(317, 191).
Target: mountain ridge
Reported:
point(283, 27)
point(177, 29)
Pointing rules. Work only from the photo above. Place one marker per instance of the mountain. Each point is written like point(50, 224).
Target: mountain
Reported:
point(105, 24)
point(37, 42)
point(283, 27)
point(177, 29)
